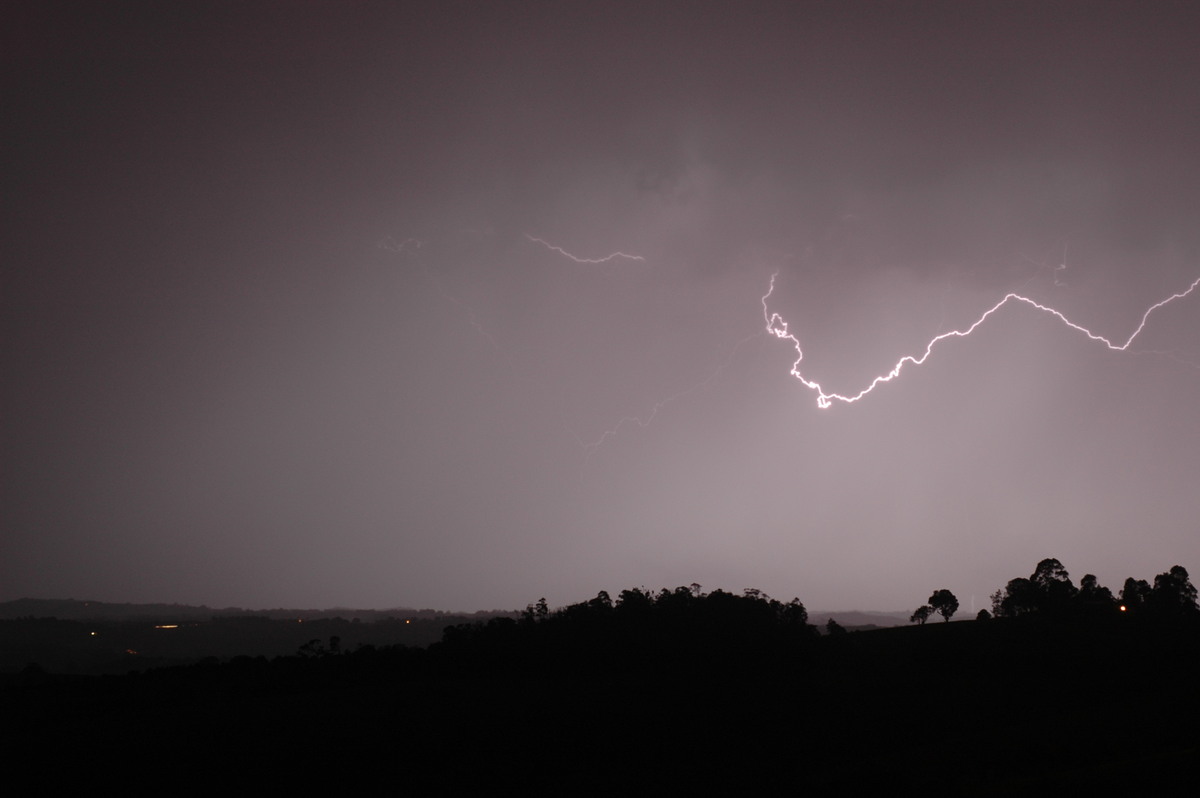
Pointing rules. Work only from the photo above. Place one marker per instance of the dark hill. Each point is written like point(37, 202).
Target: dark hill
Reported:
point(667, 694)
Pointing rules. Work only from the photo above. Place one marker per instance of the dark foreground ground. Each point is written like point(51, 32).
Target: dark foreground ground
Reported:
point(602, 706)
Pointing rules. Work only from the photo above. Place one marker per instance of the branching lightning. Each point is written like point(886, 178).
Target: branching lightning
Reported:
point(778, 327)
point(562, 251)
point(1054, 270)
point(775, 325)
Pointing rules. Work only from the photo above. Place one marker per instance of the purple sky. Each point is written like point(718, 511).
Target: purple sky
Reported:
point(276, 332)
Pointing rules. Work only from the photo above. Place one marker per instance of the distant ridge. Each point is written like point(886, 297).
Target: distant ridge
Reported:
point(77, 610)
point(861, 618)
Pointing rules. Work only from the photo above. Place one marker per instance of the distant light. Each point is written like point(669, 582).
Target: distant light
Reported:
point(407, 621)
point(130, 651)
point(167, 626)
point(1122, 608)
point(93, 634)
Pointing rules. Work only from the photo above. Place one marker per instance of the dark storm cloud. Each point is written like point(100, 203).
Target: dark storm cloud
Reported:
point(223, 384)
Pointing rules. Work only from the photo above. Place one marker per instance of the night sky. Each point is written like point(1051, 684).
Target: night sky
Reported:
point(277, 330)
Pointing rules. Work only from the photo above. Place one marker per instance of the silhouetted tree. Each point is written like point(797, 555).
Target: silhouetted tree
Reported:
point(1053, 584)
point(1134, 594)
point(1090, 589)
point(983, 615)
point(998, 603)
point(602, 602)
point(832, 627)
point(634, 600)
point(1173, 592)
point(536, 612)
point(1094, 597)
point(944, 603)
point(1020, 596)
point(1048, 589)
point(921, 615)
point(793, 613)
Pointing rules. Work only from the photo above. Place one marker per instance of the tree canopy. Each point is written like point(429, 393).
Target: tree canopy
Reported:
point(944, 603)
point(1049, 590)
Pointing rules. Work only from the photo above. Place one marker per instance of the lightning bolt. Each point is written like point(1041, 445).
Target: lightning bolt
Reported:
point(778, 327)
point(562, 251)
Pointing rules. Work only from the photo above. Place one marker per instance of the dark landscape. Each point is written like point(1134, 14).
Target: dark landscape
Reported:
point(1068, 689)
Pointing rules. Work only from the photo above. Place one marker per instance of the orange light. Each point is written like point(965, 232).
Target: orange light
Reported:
point(1122, 608)
point(168, 626)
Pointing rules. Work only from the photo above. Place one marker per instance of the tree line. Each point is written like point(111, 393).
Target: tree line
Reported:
point(1050, 591)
